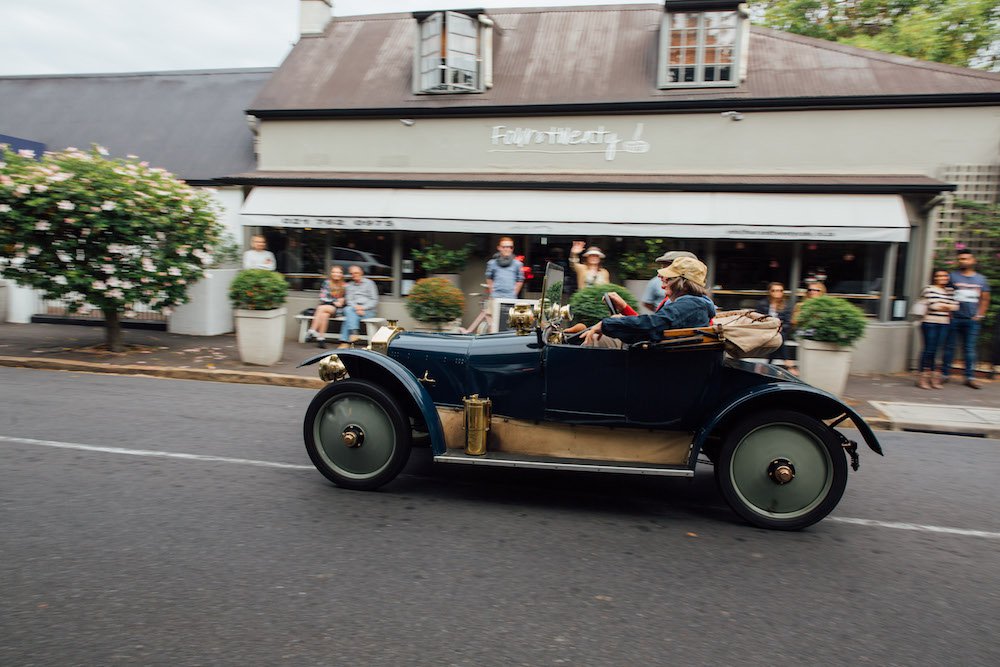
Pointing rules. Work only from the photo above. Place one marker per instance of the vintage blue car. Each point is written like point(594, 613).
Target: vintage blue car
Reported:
point(527, 399)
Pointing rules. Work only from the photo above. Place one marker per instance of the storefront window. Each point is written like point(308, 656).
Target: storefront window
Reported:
point(306, 255)
point(743, 270)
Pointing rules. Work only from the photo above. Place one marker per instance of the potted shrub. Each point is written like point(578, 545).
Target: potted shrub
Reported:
point(259, 299)
point(635, 268)
point(587, 305)
point(435, 301)
point(828, 328)
point(439, 261)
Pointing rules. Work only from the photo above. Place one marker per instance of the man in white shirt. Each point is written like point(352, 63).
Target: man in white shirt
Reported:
point(260, 257)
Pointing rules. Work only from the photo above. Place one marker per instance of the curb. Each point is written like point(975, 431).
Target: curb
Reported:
point(238, 377)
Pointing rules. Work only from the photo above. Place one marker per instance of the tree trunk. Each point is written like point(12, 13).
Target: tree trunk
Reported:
point(113, 331)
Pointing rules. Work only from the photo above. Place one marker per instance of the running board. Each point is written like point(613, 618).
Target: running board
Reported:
point(500, 459)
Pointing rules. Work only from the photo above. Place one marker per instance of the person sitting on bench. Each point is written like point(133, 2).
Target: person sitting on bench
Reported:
point(331, 304)
point(362, 299)
point(686, 305)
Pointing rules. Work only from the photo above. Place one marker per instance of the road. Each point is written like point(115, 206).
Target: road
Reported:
point(126, 552)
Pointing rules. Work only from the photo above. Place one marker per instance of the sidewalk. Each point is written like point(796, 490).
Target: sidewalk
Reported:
point(885, 401)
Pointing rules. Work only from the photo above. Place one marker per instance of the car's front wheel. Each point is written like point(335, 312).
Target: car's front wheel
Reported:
point(356, 434)
point(782, 469)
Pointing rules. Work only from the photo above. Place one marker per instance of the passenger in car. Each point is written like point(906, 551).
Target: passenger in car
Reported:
point(687, 305)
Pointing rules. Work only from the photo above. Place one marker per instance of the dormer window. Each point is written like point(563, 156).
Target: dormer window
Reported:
point(451, 50)
point(701, 43)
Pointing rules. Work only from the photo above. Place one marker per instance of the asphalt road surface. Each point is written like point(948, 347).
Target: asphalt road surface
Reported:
point(163, 522)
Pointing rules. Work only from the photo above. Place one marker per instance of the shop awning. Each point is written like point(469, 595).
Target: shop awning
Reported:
point(723, 215)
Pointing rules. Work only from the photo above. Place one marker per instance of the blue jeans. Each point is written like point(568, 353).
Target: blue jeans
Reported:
point(352, 322)
point(968, 331)
point(933, 334)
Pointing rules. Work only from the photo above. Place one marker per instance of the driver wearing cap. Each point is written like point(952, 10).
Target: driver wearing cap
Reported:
point(687, 305)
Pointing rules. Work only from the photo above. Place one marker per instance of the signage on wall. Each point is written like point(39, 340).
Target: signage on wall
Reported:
point(566, 140)
point(336, 223)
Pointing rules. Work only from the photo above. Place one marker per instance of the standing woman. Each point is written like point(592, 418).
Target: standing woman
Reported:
point(941, 303)
point(589, 272)
point(331, 303)
point(776, 305)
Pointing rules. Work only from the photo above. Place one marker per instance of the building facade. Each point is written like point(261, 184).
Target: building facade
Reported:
point(774, 157)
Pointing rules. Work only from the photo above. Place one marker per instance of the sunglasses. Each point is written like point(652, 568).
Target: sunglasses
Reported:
point(507, 247)
point(813, 289)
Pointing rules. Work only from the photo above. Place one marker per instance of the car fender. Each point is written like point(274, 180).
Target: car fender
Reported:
point(395, 378)
point(784, 395)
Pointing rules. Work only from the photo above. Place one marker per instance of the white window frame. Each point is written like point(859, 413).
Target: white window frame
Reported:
point(735, 69)
point(424, 81)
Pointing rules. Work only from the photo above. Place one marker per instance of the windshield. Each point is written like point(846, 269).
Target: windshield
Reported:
point(552, 287)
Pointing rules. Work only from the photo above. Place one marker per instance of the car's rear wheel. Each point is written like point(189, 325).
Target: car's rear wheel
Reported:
point(356, 434)
point(782, 470)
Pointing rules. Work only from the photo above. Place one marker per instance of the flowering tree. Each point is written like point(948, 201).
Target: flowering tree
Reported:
point(104, 233)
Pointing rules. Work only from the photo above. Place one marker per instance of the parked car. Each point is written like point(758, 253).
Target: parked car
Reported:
point(526, 399)
point(347, 257)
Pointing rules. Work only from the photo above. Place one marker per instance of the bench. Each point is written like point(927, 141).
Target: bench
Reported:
point(372, 324)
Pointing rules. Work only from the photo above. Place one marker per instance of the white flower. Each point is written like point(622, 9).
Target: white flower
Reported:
point(107, 268)
point(4, 208)
point(174, 271)
point(167, 310)
point(24, 152)
point(99, 285)
point(41, 187)
point(66, 205)
point(22, 189)
point(109, 206)
point(114, 282)
point(34, 250)
point(64, 257)
point(114, 294)
point(103, 151)
point(42, 226)
point(59, 280)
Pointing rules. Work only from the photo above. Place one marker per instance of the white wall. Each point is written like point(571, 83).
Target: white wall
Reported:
point(889, 141)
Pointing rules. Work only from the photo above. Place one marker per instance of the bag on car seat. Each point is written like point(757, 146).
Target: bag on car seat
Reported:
point(746, 333)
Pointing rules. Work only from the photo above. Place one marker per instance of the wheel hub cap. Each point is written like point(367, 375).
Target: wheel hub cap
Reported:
point(353, 435)
point(781, 471)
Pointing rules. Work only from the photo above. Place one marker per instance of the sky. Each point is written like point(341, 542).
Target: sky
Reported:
point(101, 36)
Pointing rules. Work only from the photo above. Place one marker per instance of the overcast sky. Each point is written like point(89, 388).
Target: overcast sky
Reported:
point(77, 36)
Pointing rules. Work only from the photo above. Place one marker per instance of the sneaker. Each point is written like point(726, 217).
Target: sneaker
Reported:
point(321, 343)
point(310, 336)
point(973, 384)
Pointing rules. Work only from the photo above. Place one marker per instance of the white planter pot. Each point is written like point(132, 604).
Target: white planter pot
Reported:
point(824, 365)
point(207, 312)
point(260, 335)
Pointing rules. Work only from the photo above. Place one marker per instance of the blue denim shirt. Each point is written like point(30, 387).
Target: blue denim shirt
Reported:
point(686, 311)
point(504, 278)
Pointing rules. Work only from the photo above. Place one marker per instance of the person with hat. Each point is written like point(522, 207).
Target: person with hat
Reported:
point(686, 305)
point(589, 271)
point(654, 293)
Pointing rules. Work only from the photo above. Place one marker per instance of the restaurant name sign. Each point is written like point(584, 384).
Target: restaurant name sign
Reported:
point(566, 140)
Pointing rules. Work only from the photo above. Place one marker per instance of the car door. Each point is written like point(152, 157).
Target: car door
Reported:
point(585, 385)
point(672, 387)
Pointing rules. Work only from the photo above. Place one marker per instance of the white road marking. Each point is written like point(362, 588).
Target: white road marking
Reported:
point(899, 525)
point(896, 525)
point(155, 454)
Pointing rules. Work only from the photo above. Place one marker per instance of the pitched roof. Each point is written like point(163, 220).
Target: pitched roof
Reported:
point(190, 123)
point(548, 59)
